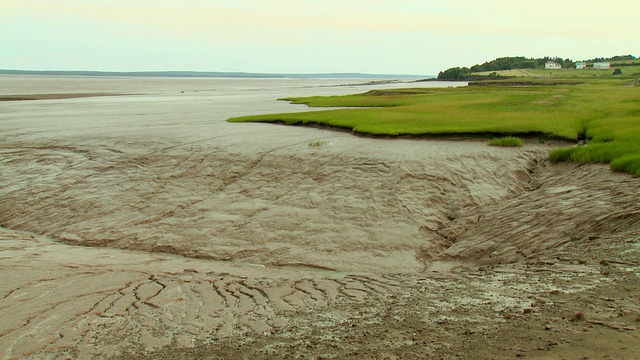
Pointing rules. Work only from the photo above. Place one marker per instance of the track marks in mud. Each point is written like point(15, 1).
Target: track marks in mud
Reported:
point(283, 204)
point(87, 312)
point(566, 203)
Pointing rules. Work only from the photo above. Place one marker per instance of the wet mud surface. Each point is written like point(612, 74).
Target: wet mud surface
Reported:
point(144, 226)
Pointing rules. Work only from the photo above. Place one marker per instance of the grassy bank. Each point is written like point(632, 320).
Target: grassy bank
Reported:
point(603, 111)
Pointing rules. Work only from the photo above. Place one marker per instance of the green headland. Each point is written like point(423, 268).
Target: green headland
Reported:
point(597, 111)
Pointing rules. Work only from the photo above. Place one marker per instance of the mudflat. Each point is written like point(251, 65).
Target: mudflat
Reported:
point(51, 96)
point(144, 225)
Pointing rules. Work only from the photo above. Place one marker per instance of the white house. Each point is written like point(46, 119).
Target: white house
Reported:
point(602, 65)
point(581, 65)
point(552, 65)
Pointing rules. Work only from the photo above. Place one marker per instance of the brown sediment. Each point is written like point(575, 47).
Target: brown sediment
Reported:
point(316, 250)
point(27, 97)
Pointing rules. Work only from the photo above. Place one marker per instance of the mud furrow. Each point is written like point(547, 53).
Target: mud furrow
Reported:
point(228, 289)
point(375, 287)
point(382, 282)
point(257, 297)
point(221, 293)
point(122, 305)
point(263, 294)
point(353, 289)
point(329, 288)
point(197, 298)
point(147, 299)
point(296, 296)
point(293, 296)
point(77, 330)
point(277, 295)
point(30, 284)
point(192, 303)
point(317, 298)
point(48, 314)
point(211, 306)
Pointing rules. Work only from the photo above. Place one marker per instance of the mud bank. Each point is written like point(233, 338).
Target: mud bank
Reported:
point(295, 247)
point(347, 205)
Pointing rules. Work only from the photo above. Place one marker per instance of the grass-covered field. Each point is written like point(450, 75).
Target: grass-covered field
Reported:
point(629, 69)
point(604, 110)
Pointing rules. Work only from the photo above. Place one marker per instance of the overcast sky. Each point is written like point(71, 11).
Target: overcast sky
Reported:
point(307, 36)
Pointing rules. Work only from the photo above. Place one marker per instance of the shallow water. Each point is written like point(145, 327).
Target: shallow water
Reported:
point(159, 103)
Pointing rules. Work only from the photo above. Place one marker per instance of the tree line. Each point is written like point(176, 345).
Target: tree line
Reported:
point(517, 62)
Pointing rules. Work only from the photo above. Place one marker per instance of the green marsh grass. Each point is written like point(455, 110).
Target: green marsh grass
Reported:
point(509, 141)
point(605, 111)
point(318, 143)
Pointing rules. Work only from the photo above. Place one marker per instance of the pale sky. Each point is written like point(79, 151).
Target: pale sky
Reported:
point(287, 36)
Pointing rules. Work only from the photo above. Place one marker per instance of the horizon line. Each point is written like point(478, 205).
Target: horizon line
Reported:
point(196, 73)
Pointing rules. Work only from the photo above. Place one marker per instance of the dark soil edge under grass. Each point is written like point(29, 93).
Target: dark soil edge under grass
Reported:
point(530, 135)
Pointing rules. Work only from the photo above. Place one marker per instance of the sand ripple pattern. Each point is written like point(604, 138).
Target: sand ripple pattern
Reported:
point(119, 303)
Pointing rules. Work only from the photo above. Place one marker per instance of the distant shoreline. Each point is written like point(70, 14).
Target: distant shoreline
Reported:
point(215, 74)
point(30, 97)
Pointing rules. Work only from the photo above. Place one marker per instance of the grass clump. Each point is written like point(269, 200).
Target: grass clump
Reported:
point(318, 143)
point(509, 141)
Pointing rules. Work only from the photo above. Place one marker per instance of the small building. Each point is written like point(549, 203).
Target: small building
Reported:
point(602, 65)
point(581, 65)
point(552, 65)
